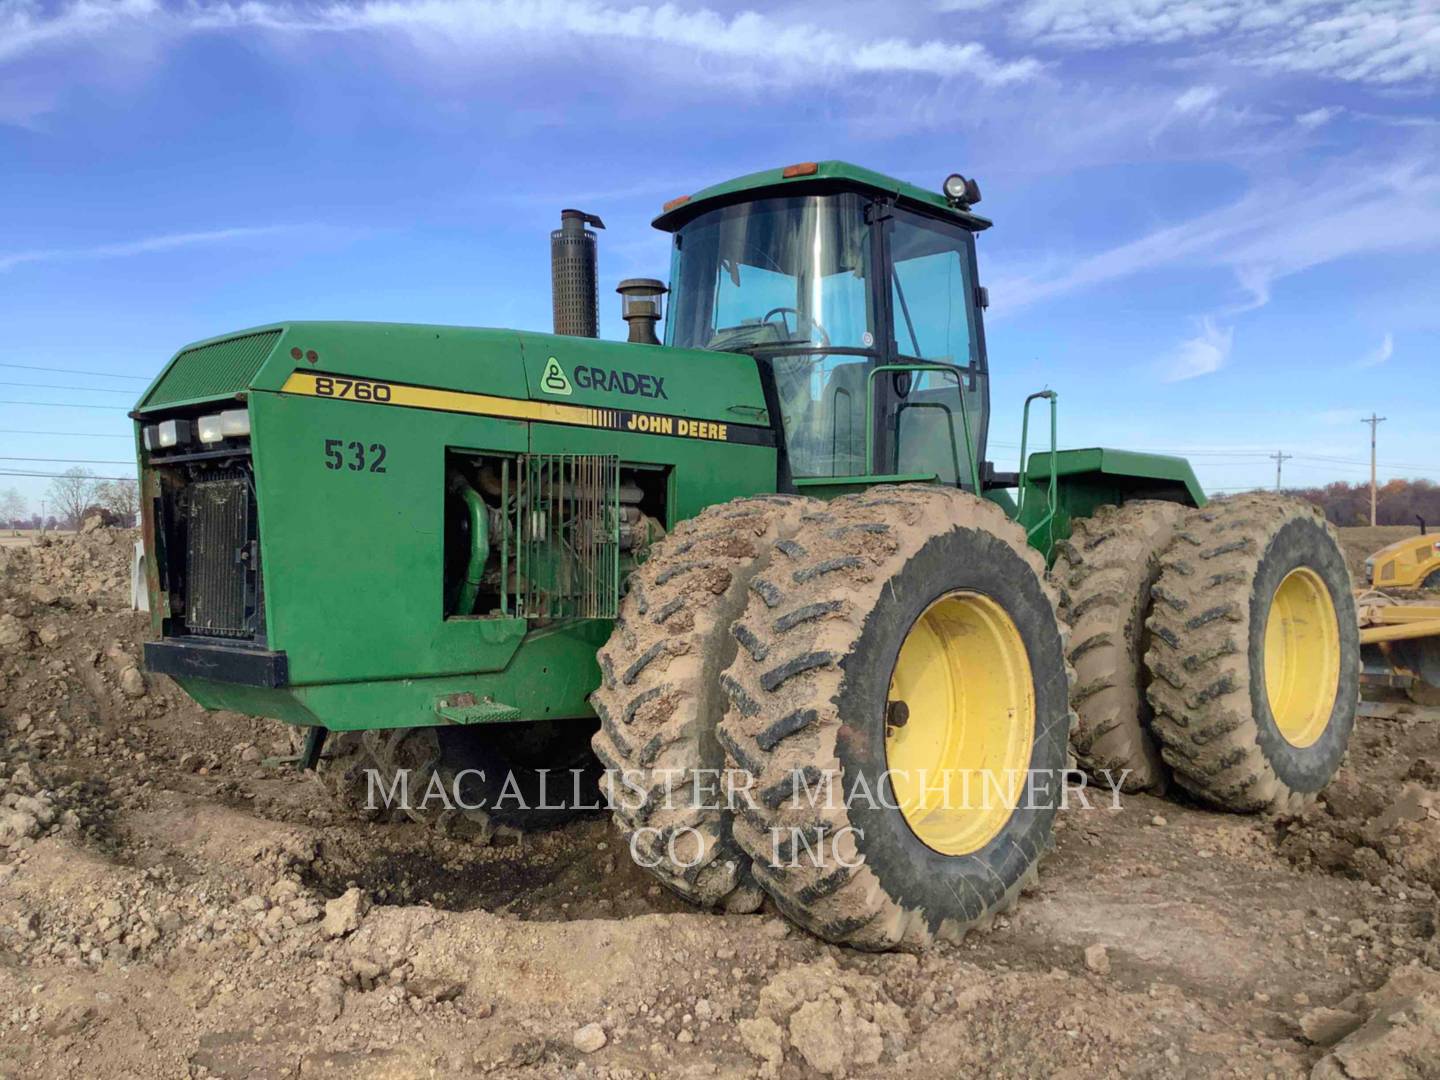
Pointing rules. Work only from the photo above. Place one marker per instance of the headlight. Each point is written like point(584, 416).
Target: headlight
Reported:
point(174, 433)
point(223, 425)
point(235, 422)
point(1369, 569)
point(150, 436)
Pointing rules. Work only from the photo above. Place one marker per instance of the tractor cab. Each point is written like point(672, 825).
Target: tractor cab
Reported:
point(858, 296)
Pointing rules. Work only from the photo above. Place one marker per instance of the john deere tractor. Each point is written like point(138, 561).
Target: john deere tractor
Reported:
point(765, 569)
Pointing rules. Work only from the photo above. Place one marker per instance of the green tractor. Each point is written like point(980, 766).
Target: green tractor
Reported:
point(765, 569)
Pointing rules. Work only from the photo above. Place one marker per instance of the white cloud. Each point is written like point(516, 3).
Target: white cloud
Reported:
point(144, 246)
point(1202, 354)
point(1370, 41)
point(1317, 118)
point(26, 26)
point(782, 49)
point(1278, 229)
point(1197, 99)
point(1380, 353)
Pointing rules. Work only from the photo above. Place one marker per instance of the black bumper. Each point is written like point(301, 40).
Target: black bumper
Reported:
point(186, 658)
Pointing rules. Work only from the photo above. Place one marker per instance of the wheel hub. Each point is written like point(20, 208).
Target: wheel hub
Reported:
point(1302, 657)
point(958, 761)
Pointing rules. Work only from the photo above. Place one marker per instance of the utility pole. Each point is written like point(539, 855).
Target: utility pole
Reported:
point(1374, 422)
point(1280, 458)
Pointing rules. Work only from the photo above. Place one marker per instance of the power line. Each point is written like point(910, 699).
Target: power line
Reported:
point(69, 460)
point(65, 405)
point(58, 386)
point(53, 475)
point(76, 371)
point(67, 434)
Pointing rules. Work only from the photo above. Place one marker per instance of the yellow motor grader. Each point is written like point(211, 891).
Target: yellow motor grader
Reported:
point(1400, 634)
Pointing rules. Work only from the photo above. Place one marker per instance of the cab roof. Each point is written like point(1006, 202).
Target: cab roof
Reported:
point(810, 178)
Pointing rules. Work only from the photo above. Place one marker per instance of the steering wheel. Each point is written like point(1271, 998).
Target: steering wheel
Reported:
point(814, 325)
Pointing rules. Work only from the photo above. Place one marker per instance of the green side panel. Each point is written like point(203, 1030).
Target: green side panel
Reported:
point(551, 678)
point(1091, 478)
point(353, 559)
point(218, 369)
point(773, 182)
point(253, 700)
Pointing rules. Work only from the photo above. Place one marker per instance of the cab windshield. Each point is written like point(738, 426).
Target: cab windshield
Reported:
point(774, 272)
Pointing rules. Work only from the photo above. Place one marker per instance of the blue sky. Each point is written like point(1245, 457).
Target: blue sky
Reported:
point(1217, 222)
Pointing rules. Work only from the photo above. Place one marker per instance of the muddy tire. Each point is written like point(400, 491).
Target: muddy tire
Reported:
point(1237, 730)
point(816, 705)
point(660, 697)
point(1105, 572)
point(518, 777)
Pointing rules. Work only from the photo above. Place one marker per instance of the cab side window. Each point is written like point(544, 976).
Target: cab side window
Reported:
point(931, 291)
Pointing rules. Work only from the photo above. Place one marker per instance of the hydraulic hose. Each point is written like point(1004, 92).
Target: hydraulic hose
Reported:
point(479, 546)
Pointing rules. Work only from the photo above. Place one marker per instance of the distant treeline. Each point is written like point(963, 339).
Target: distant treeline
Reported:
point(1398, 502)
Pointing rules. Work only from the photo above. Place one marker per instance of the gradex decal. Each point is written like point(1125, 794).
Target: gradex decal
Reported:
point(553, 379)
point(621, 382)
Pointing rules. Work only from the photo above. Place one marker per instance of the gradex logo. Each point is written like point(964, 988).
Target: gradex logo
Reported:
point(553, 379)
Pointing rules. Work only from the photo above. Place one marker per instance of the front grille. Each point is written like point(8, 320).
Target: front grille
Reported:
point(221, 556)
point(219, 369)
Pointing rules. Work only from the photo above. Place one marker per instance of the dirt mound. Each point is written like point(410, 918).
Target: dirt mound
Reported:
point(1386, 834)
point(92, 566)
point(1393, 1032)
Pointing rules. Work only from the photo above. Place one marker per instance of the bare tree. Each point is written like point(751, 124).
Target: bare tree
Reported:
point(12, 508)
point(121, 498)
point(71, 493)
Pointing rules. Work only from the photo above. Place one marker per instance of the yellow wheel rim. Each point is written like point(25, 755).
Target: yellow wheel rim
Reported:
point(1302, 657)
point(960, 723)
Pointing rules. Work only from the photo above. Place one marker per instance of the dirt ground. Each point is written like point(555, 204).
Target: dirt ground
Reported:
point(175, 902)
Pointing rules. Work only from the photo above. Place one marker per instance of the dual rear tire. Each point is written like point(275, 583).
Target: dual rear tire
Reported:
point(892, 715)
point(1217, 648)
point(1254, 654)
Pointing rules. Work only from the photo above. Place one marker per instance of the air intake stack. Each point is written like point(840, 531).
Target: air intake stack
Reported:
point(640, 308)
point(574, 275)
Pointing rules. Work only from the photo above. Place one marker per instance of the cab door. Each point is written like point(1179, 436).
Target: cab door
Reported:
point(931, 421)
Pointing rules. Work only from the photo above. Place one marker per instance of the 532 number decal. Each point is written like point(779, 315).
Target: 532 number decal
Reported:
point(354, 455)
point(353, 389)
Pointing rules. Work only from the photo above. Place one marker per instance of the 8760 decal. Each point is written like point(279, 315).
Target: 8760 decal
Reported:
point(355, 389)
point(354, 455)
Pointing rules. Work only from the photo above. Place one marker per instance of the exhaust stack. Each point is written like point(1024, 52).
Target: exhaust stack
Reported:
point(574, 275)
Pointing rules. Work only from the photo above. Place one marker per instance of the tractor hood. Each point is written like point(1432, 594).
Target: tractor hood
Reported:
point(459, 369)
